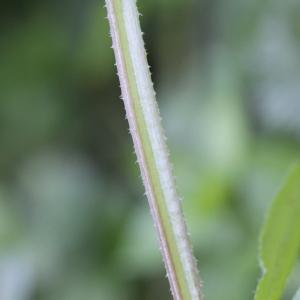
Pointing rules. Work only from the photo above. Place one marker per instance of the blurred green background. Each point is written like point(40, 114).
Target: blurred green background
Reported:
point(74, 222)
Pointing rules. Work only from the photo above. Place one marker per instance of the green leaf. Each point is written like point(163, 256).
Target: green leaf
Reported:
point(280, 239)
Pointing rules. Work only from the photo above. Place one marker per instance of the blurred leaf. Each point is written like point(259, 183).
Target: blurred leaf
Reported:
point(280, 240)
point(297, 296)
point(145, 254)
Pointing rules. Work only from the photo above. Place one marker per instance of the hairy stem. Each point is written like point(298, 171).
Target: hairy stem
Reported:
point(150, 147)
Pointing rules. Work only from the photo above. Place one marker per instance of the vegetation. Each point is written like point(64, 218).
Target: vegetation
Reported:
point(73, 222)
point(280, 242)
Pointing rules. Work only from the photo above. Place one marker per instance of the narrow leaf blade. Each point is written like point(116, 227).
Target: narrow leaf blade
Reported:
point(280, 239)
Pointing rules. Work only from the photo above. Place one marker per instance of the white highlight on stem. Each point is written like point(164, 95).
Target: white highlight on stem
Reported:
point(151, 150)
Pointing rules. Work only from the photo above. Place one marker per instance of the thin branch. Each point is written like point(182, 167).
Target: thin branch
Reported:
point(151, 150)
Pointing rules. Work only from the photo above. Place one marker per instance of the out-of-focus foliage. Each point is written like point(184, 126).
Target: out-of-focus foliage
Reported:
point(74, 223)
point(280, 240)
point(297, 296)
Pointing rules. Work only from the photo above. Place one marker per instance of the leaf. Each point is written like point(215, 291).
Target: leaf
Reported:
point(280, 239)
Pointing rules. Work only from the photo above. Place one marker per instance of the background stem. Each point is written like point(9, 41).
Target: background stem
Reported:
point(150, 147)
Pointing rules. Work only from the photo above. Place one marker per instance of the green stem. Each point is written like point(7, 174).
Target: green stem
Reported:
point(151, 150)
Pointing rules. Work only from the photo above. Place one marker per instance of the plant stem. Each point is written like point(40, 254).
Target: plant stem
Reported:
point(151, 150)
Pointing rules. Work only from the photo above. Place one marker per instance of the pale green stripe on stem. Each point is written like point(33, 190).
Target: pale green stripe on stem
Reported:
point(150, 147)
